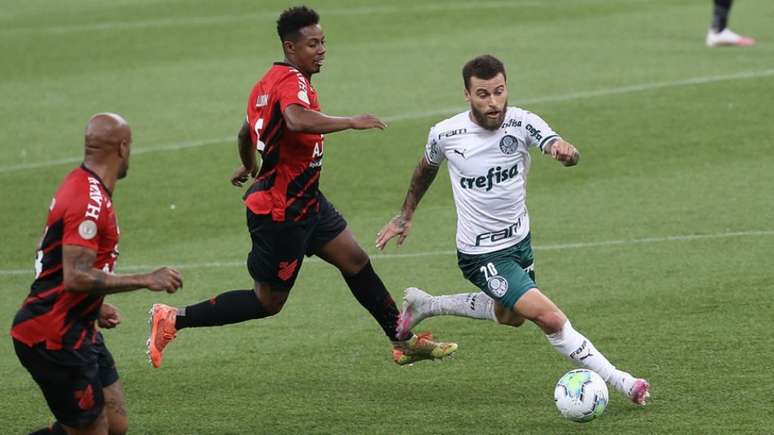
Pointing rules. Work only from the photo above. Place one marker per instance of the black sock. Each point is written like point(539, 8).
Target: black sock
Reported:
point(55, 429)
point(720, 15)
point(369, 290)
point(226, 308)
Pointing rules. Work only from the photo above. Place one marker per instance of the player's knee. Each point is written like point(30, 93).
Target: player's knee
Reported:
point(358, 259)
point(271, 301)
point(508, 317)
point(118, 426)
point(271, 305)
point(514, 321)
point(272, 308)
point(550, 321)
point(98, 426)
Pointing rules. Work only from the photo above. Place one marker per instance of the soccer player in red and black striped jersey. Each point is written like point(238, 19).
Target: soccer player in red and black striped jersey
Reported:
point(54, 331)
point(287, 215)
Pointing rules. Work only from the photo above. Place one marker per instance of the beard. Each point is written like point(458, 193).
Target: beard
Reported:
point(487, 122)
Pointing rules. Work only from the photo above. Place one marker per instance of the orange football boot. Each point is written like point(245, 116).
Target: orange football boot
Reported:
point(420, 347)
point(162, 332)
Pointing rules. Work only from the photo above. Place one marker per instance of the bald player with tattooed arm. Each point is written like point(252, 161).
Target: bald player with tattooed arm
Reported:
point(487, 153)
point(54, 331)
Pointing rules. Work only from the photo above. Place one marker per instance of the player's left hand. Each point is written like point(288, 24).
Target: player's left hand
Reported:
point(565, 152)
point(241, 175)
point(108, 316)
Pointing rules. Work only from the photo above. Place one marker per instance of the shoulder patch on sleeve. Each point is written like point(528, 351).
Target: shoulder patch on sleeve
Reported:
point(435, 151)
point(303, 96)
point(87, 229)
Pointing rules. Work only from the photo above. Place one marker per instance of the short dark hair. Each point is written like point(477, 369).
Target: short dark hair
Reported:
point(294, 19)
point(484, 67)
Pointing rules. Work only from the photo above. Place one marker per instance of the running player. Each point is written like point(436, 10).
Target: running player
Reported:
point(487, 149)
point(719, 35)
point(287, 215)
point(53, 332)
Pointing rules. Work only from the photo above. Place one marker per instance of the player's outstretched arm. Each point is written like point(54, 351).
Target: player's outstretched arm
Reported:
point(249, 166)
point(80, 275)
point(564, 152)
point(400, 225)
point(301, 119)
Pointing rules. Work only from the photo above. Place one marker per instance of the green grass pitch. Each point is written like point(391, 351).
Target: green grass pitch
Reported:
point(658, 245)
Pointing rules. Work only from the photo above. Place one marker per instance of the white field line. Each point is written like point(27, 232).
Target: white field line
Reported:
point(272, 16)
point(135, 151)
point(553, 247)
point(599, 93)
point(419, 115)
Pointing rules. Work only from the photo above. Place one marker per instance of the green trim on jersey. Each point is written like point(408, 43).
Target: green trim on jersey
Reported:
point(504, 275)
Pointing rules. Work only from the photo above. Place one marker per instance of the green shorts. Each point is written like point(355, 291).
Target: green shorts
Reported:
point(504, 275)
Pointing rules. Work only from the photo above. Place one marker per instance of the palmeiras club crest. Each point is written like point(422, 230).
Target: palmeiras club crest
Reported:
point(508, 144)
point(497, 285)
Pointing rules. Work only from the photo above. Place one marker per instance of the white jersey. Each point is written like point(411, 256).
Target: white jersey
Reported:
point(488, 172)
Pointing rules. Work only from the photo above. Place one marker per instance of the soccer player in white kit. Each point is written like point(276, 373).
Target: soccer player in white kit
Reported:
point(487, 153)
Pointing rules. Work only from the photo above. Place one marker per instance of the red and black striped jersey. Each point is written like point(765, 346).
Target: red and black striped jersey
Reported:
point(287, 184)
point(81, 214)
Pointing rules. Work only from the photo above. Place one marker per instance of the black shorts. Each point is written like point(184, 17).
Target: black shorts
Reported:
point(279, 247)
point(71, 381)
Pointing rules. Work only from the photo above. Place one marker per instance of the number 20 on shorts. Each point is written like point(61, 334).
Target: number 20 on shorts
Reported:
point(489, 270)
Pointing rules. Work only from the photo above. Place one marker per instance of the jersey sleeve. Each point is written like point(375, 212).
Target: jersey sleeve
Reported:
point(538, 133)
point(82, 223)
point(293, 89)
point(433, 149)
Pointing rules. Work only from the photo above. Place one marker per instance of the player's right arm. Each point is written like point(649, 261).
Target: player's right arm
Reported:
point(300, 119)
point(400, 225)
point(423, 177)
point(80, 275)
point(249, 166)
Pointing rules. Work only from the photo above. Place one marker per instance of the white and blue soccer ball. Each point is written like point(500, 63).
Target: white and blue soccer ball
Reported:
point(581, 395)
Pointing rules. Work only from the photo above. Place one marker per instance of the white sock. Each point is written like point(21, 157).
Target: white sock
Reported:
point(472, 305)
point(581, 351)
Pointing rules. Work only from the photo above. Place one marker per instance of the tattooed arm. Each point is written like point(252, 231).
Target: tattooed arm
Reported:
point(80, 275)
point(400, 225)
